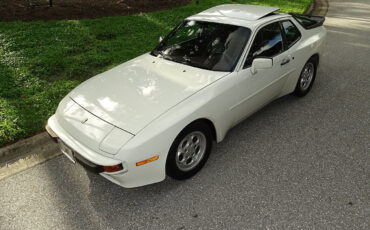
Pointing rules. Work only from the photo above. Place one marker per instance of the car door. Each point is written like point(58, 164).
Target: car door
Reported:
point(292, 37)
point(255, 90)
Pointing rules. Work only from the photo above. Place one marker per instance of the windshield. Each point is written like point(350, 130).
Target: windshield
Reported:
point(206, 45)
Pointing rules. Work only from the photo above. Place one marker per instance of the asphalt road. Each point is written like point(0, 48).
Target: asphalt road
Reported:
point(296, 164)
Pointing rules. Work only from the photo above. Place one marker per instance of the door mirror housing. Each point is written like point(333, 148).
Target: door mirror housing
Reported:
point(261, 63)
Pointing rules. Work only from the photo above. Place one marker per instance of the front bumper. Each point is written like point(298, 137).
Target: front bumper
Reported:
point(86, 157)
point(132, 175)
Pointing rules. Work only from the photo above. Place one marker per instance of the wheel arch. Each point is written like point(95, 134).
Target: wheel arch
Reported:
point(209, 124)
point(316, 58)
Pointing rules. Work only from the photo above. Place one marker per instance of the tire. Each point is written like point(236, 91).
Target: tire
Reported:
point(307, 78)
point(189, 151)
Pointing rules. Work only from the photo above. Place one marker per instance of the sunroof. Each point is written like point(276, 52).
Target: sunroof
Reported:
point(240, 11)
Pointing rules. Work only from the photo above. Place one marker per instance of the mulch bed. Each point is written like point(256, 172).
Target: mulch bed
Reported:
point(35, 10)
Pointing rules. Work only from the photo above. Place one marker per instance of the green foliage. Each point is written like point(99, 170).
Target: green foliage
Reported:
point(40, 62)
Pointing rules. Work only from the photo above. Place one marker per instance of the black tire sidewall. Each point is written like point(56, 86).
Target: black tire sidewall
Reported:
point(171, 167)
point(298, 90)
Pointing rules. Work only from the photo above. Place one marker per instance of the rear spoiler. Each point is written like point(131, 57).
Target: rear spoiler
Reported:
point(307, 21)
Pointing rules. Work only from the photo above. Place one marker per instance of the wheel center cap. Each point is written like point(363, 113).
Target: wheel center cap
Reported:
point(192, 150)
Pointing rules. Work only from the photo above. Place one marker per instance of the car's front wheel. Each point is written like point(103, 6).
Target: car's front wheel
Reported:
point(189, 152)
point(306, 78)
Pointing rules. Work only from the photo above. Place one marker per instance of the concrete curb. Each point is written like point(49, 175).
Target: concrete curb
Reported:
point(310, 8)
point(27, 161)
point(27, 153)
point(317, 8)
point(35, 150)
point(33, 145)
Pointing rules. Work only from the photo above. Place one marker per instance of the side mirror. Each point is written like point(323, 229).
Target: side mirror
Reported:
point(261, 63)
point(161, 38)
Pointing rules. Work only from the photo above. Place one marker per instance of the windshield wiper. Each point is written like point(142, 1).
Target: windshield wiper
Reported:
point(187, 61)
point(161, 54)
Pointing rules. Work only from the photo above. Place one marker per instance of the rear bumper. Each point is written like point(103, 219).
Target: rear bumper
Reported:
point(86, 157)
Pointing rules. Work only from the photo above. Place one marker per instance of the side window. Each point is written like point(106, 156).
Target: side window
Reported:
point(292, 34)
point(268, 43)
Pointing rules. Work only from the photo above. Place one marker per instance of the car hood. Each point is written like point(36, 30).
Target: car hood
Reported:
point(135, 93)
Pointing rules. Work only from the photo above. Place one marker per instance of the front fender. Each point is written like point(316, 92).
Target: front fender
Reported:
point(156, 138)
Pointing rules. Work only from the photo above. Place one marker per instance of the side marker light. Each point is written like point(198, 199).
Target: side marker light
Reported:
point(147, 160)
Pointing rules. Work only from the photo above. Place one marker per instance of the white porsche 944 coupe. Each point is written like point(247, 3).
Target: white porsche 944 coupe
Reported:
point(160, 113)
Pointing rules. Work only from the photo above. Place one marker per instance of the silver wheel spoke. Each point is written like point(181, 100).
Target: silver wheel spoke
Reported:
point(307, 76)
point(191, 150)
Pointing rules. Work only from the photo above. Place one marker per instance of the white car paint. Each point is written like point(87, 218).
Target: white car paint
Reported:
point(143, 88)
point(136, 110)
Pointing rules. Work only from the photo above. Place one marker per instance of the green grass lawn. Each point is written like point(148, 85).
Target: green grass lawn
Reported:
point(40, 62)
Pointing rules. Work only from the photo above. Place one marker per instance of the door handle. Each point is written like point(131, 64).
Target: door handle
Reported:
point(285, 61)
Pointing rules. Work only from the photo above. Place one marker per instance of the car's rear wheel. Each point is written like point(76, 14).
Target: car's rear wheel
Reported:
point(307, 78)
point(189, 152)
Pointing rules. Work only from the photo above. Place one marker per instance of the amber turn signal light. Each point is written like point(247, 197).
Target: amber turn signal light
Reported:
point(113, 168)
point(147, 160)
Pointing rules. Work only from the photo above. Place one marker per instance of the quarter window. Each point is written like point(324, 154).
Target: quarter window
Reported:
point(292, 34)
point(267, 43)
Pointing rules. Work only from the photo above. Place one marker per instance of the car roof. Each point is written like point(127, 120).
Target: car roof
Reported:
point(239, 14)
